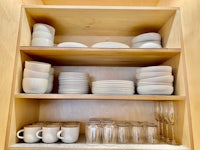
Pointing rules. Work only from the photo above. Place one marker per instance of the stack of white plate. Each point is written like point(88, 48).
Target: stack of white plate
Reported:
point(147, 40)
point(155, 80)
point(116, 87)
point(73, 83)
point(43, 35)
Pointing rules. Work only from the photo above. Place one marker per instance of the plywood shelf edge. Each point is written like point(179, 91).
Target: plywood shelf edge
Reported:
point(99, 97)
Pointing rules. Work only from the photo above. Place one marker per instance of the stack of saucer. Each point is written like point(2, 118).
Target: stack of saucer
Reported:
point(43, 35)
point(37, 77)
point(73, 83)
point(155, 80)
point(123, 87)
point(147, 40)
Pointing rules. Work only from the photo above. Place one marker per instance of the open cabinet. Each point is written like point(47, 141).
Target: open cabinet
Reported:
point(89, 25)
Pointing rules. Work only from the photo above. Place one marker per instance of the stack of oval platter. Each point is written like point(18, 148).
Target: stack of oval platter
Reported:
point(73, 83)
point(147, 40)
point(113, 87)
point(155, 80)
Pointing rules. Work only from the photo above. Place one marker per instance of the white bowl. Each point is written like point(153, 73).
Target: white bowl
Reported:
point(151, 36)
point(35, 74)
point(44, 27)
point(42, 34)
point(165, 79)
point(49, 87)
point(38, 66)
point(34, 85)
point(41, 42)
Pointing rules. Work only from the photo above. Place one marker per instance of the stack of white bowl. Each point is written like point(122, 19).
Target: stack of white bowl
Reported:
point(155, 80)
point(43, 35)
point(147, 40)
point(73, 83)
point(37, 77)
point(115, 87)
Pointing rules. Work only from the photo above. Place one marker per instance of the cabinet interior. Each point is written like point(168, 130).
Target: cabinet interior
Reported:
point(91, 25)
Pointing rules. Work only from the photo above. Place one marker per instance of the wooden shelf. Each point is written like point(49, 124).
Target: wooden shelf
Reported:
point(81, 145)
point(99, 57)
point(99, 97)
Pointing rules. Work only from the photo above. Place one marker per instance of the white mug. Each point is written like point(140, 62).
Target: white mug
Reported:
point(69, 133)
point(29, 133)
point(49, 133)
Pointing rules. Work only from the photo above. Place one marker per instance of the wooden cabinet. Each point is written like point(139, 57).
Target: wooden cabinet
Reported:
point(89, 25)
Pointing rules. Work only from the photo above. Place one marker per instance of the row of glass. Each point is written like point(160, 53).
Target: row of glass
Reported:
point(111, 132)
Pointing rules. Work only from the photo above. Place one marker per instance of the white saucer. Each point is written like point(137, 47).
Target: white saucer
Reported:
point(72, 44)
point(151, 36)
point(145, 75)
point(155, 69)
point(155, 90)
point(110, 45)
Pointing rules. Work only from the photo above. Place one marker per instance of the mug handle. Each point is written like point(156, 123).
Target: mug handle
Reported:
point(18, 134)
point(59, 134)
point(37, 134)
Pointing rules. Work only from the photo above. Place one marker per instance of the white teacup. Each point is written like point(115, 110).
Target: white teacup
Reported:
point(29, 133)
point(69, 132)
point(49, 133)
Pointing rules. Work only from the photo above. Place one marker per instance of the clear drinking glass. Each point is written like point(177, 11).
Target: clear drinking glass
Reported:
point(123, 132)
point(157, 116)
point(109, 135)
point(151, 133)
point(93, 132)
point(137, 134)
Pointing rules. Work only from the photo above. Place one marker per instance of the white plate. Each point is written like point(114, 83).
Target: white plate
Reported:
point(72, 44)
point(168, 79)
point(154, 83)
point(110, 45)
point(151, 36)
point(113, 82)
point(147, 45)
point(114, 92)
point(155, 90)
point(144, 75)
point(155, 69)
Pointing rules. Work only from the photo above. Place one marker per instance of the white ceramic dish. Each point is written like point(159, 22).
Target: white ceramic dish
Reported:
point(127, 82)
point(154, 69)
point(34, 85)
point(72, 44)
point(154, 83)
point(35, 74)
point(44, 27)
point(38, 66)
point(151, 36)
point(42, 34)
point(147, 45)
point(144, 75)
point(165, 79)
point(41, 42)
point(110, 45)
point(155, 90)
